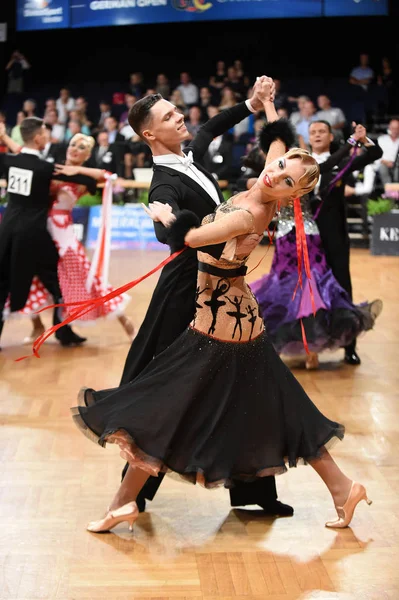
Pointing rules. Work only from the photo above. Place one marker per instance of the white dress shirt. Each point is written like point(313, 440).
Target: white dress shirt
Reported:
point(320, 158)
point(183, 164)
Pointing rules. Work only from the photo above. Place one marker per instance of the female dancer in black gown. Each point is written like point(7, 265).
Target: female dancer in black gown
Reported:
point(219, 404)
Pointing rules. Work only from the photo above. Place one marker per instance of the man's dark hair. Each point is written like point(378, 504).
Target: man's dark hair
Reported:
point(324, 123)
point(30, 127)
point(140, 114)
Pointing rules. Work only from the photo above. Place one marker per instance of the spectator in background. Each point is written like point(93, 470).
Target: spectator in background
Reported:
point(81, 105)
point(75, 117)
point(387, 93)
point(162, 86)
point(29, 107)
point(332, 115)
point(188, 89)
point(176, 98)
point(308, 115)
point(3, 121)
point(124, 127)
point(217, 81)
point(136, 84)
point(363, 74)
point(194, 121)
point(74, 126)
point(282, 99)
point(244, 79)
point(16, 68)
point(105, 111)
point(57, 130)
point(388, 167)
point(296, 115)
point(50, 104)
point(64, 104)
point(205, 101)
point(16, 130)
point(103, 156)
point(234, 82)
point(228, 98)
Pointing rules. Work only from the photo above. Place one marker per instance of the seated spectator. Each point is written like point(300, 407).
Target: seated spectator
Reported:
point(194, 121)
point(332, 115)
point(296, 115)
point(104, 112)
point(242, 76)
point(236, 83)
point(176, 98)
point(217, 81)
point(3, 145)
point(57, 130)
point(15, 131)
point(136, 84)
point(218, 159)
point(76, 117)
point(73, 126)
point(361, 185)
point(54, 152)
point(363, 74)
point(308, 115)
point(103, 155)
point(388, 164)
point(281, 98)
point(204, 102)
point(82, 106)
point(64, 104)
point(162, 86)
point(50, 104)
point(124, 127)
point(228, 98)
point(29, 107)
point(188, 89)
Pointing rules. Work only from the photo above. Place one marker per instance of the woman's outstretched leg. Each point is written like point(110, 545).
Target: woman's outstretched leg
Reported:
point(346, 493)
point(123, 506)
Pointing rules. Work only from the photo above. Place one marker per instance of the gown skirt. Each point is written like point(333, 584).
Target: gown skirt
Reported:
point(337, 322)
point(211, 411)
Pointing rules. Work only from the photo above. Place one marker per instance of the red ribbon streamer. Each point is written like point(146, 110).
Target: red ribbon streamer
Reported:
point(303, 260)
point(88, 305)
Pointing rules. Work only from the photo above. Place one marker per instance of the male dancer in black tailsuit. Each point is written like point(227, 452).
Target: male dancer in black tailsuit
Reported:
point(26, 248)
point(332, 212)
point(181, 181)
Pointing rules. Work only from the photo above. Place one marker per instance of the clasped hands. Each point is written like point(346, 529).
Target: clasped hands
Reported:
point(264, 90)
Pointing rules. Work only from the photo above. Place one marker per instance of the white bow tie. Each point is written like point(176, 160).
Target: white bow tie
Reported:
point(187, 160)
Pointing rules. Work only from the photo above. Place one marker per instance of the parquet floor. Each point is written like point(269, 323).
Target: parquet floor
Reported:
point(191, 544)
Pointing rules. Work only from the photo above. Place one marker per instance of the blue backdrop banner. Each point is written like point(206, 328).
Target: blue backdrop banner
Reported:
point(94, 13)
point(42, 14)
point(358, 8)
point(131, 227)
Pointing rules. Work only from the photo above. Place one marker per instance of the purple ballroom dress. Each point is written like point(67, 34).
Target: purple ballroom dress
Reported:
point(337, 321)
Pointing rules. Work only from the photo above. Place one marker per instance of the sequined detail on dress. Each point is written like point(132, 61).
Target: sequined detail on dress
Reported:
point(286, 220)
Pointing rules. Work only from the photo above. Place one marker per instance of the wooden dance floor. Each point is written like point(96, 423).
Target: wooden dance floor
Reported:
point(191, 544)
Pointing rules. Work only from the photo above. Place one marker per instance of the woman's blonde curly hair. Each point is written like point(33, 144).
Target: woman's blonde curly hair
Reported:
point(312, 169)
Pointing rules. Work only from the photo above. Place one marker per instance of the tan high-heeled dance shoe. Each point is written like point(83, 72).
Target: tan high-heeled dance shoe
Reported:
point(312, 361)
point(36, 332)
point(128, 326)
point(128, 512)
point(345, 512)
